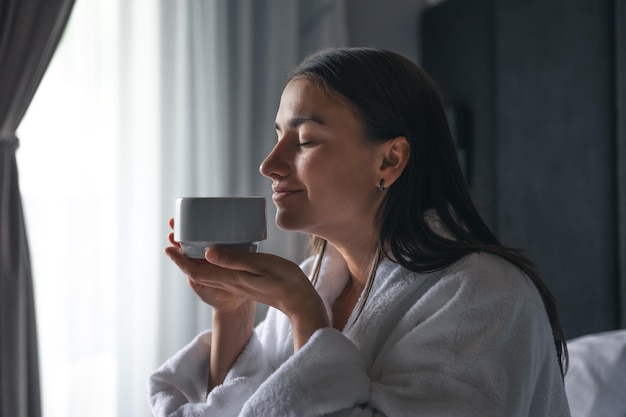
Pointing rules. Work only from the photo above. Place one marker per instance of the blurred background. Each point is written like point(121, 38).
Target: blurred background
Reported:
point(145, 101)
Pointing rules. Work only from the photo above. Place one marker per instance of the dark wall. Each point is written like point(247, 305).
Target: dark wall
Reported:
point(388, 24)
point(539, 78)
point(620, 72)
point(458, 53)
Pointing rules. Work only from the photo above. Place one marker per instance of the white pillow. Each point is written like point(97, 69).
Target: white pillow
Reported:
point(596, 380)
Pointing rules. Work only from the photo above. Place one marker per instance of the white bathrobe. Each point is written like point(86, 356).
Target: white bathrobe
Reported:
point(470, 340)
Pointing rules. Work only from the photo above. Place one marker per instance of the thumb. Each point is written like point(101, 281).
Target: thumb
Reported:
point(230, 258)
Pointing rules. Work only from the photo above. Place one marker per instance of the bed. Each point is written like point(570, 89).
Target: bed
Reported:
point(596, 380)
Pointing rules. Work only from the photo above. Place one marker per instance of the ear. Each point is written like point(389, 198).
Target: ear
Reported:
point(394, 155)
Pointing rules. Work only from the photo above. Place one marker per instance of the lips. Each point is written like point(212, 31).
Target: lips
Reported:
point(282, 193)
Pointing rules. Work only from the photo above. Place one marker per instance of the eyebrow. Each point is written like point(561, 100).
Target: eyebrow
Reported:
point(297, 121)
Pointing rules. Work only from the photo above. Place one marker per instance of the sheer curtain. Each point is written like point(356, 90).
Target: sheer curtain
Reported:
point(225, 65)
point(144, 102)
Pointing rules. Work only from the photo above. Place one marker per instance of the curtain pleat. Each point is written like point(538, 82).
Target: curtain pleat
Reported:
point(29, 33)
point(19, 372)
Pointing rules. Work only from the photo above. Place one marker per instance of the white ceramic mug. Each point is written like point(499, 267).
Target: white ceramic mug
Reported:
point(204, 222)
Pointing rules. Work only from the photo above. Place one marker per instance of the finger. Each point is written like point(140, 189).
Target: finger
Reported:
point(235, 260)
point(171, 222)
point(198, 286)
point(193, 285)
point(186, 265)
point(170, 237)
point(198, 270)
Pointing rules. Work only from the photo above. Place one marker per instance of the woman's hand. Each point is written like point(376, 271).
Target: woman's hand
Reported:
point(221, 301)
point(265, 278)
point(233, 316)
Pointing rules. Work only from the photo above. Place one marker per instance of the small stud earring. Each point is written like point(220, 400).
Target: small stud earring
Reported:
point(381, 186)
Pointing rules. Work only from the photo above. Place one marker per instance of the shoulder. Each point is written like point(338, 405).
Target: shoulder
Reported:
point(495, 289)
point(479, 322)
point(489, 291)
point(487, 269)
point(481, 278)
point(492, 275)
point(486, 278)
point(480, 307)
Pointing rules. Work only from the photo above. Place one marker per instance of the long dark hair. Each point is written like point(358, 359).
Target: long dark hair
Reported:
point(394, 97)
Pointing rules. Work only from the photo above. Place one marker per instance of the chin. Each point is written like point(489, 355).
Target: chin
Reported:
point(287, 223)
point(292, 222)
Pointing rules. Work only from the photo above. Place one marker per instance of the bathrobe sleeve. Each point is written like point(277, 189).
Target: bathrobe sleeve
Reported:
point(179, 386)
point(306, 384)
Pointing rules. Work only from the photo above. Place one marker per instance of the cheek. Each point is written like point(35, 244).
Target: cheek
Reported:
point(339, 183)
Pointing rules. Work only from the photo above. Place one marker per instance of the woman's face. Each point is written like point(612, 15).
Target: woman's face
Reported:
point(324, 172)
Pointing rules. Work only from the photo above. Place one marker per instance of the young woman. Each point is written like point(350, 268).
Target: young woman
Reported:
point(409, 305)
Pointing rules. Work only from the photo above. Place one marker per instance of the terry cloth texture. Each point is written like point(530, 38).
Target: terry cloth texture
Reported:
point(472, 339)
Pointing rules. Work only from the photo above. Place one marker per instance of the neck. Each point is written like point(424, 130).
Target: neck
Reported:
point(358, 257)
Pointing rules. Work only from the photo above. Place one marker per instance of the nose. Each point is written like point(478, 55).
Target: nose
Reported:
point(276, 163)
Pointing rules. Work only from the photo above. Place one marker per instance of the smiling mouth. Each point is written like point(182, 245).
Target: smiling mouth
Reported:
point(280, 195)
